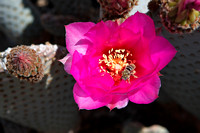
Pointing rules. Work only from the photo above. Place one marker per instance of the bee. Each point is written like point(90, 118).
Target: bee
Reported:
point(128, 72)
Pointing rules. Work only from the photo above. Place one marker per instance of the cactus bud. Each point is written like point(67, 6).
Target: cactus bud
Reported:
point(113, 9)
point(182, 16)
point(24, 63)
point(178, 16)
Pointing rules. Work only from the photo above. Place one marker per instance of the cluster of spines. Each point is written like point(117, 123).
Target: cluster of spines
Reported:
point(24, 63)
point(113, 9)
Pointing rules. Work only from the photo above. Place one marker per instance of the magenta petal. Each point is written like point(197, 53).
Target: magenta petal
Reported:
point(101, 33)
point(80, 66)
point(118, 101)
point(147, 93)
point(67, 61)
point(74, 33)
point(161, 51)
point(111, 25)
point(100, 82)
point(140, 23)
point(125, 37)
point(84, 101)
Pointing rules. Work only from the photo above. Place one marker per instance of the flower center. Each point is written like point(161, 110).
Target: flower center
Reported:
point(119, 64)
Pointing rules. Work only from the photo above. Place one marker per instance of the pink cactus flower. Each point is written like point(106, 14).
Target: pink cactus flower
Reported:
point(114, 63)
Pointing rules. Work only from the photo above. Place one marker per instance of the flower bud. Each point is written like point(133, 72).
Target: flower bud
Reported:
point(113, 9)
point(24, 63)
point(179, 16)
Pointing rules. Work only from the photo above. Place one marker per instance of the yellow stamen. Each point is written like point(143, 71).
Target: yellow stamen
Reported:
point(115, 61)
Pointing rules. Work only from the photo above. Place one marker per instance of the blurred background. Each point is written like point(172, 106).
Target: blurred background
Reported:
point(50, 108)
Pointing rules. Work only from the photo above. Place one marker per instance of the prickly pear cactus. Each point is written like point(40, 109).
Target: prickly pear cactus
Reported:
point(65, 12)
point(11, 22)
point(72, 7)
point(54, 24)
point(182, 75)
point(10, 127)
point(45, 106)
point(5, 41)
point(19, 20)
